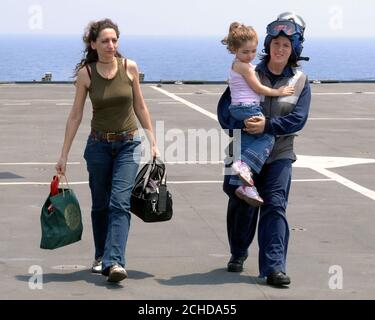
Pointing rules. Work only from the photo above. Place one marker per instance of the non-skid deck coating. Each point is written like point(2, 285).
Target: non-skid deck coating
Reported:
point(331, 207)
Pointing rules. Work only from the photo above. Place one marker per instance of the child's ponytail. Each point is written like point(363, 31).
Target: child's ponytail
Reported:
point(237, 35)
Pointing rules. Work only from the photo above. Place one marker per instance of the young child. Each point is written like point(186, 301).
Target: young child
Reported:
point(245, 90)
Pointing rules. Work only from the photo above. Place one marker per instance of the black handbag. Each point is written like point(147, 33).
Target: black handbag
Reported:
point(150, 199)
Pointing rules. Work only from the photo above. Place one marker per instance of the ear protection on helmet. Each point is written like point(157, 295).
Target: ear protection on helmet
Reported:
point(290, 25)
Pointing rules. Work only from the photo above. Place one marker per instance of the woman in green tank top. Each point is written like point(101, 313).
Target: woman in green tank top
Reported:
point(112, 151)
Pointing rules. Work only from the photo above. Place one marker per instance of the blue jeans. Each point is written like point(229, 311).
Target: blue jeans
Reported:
point(112, 168)
point(273, 184)
point(255, 149)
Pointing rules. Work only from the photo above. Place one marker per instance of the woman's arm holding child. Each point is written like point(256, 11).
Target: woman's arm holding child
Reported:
point(248, 73)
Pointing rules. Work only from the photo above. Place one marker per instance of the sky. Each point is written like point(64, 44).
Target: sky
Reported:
point(324, 18)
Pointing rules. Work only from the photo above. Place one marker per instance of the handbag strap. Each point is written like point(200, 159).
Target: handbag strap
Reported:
point(163, 180)
point(163, 192)
point(151, 167)
point(62, 184)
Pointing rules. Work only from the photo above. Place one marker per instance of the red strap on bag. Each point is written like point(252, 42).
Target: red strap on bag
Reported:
point(54, 190)
point(55, 186)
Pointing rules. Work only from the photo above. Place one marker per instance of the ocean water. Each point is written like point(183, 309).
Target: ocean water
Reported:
point(27, 58)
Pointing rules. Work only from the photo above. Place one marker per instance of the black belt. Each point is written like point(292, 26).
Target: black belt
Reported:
point(113, 136)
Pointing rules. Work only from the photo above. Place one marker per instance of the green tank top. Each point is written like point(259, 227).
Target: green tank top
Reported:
point(112, 101)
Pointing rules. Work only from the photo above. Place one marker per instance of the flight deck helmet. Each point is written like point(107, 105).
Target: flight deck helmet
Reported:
point(293, 27)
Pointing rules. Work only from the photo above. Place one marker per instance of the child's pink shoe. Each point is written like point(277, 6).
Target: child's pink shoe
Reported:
point(250, 195)
point(241, 169)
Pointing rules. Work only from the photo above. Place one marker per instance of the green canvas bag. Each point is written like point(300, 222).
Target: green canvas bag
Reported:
point(61, 219)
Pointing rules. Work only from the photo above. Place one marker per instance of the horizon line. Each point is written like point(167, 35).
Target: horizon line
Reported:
point(174, 35)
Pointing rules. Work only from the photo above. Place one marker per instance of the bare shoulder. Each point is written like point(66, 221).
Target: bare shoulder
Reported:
point(131, 68)
point(242, 67)
point(83, 77)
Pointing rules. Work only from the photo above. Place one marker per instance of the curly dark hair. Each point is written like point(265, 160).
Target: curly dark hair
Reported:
point(92, 32)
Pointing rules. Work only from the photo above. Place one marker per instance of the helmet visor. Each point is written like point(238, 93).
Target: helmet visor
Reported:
point(289, 28)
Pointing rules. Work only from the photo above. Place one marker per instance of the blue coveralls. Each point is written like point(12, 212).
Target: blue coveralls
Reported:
point(273, 184)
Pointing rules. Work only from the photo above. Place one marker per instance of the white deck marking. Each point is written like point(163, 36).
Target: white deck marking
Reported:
point(17, 104)
point(187, 103)
point(170, 102)
point(343, 119)
point(194, 162)
point(316, 163)
point(346, 182)
point(169, 182)
point(332, 93)
point(34, 100)
point(35, 183)
point(196, 93)
point(320, 165)
point(340, 93)
point(313, 162)
point(33, 163)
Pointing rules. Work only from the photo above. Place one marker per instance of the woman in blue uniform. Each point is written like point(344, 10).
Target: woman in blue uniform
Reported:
point(284, 116)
